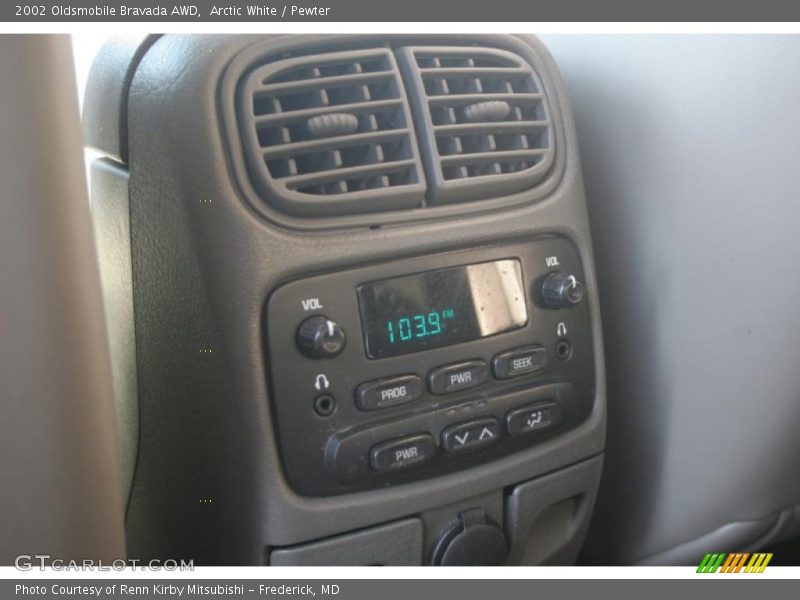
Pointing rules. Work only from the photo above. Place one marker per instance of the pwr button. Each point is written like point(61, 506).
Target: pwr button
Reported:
point(402, 453)
point(457, 377)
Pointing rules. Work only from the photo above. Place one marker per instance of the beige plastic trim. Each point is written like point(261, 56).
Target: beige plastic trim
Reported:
point(59, 467)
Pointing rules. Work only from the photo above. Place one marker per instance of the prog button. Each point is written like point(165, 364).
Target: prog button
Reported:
point(402, 453)
point(457, 377)
point(386, 393)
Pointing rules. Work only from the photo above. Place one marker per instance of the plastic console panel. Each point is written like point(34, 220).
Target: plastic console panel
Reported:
point(326, 453)
point(210, 481)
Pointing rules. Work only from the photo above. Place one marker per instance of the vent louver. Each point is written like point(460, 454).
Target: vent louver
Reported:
point(331, 134)
point(487, 126)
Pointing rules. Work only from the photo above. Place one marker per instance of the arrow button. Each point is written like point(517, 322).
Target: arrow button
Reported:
point(470, 435)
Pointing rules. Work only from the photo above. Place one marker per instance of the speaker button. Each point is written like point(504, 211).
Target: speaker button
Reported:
point(534, 417)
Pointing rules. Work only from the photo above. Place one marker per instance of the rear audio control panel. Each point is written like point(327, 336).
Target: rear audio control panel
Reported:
point(382, 311)
point(406, 370)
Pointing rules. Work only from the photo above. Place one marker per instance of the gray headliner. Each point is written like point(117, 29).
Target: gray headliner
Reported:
point(690, 147)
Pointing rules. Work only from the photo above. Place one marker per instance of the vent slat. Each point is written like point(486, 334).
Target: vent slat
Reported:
point(473, 72)
point(491, 128)
point(466, 99)
point(488, 157)
point(346, 173)
point(353, 107)
point(342, 141)
point(316, 83)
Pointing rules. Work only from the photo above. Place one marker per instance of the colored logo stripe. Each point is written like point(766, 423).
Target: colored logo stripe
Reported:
point(758, 563)
point(710, 563)
point(734, 563)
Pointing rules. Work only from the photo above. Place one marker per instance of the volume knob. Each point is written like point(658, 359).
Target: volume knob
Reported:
point(320, 337)
point(558, 290)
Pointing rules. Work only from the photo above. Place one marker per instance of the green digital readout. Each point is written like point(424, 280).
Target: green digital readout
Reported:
point(442, 307)
point(414, 327)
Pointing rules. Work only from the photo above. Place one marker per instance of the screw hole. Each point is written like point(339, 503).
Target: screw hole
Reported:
point(325, 405)
point(563, 350)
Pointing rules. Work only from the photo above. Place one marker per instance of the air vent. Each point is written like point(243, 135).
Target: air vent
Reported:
point(487, 125)
point(331, 134)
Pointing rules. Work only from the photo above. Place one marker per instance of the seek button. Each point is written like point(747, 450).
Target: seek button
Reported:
point(520, 361)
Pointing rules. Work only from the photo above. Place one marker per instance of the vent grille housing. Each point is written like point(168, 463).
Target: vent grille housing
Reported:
point(331, 134)
point(487, 126)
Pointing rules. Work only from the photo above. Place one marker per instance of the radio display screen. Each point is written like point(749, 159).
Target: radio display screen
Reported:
point(440, 308)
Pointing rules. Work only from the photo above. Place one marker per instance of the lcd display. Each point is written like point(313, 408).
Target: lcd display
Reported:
point(439, 308)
